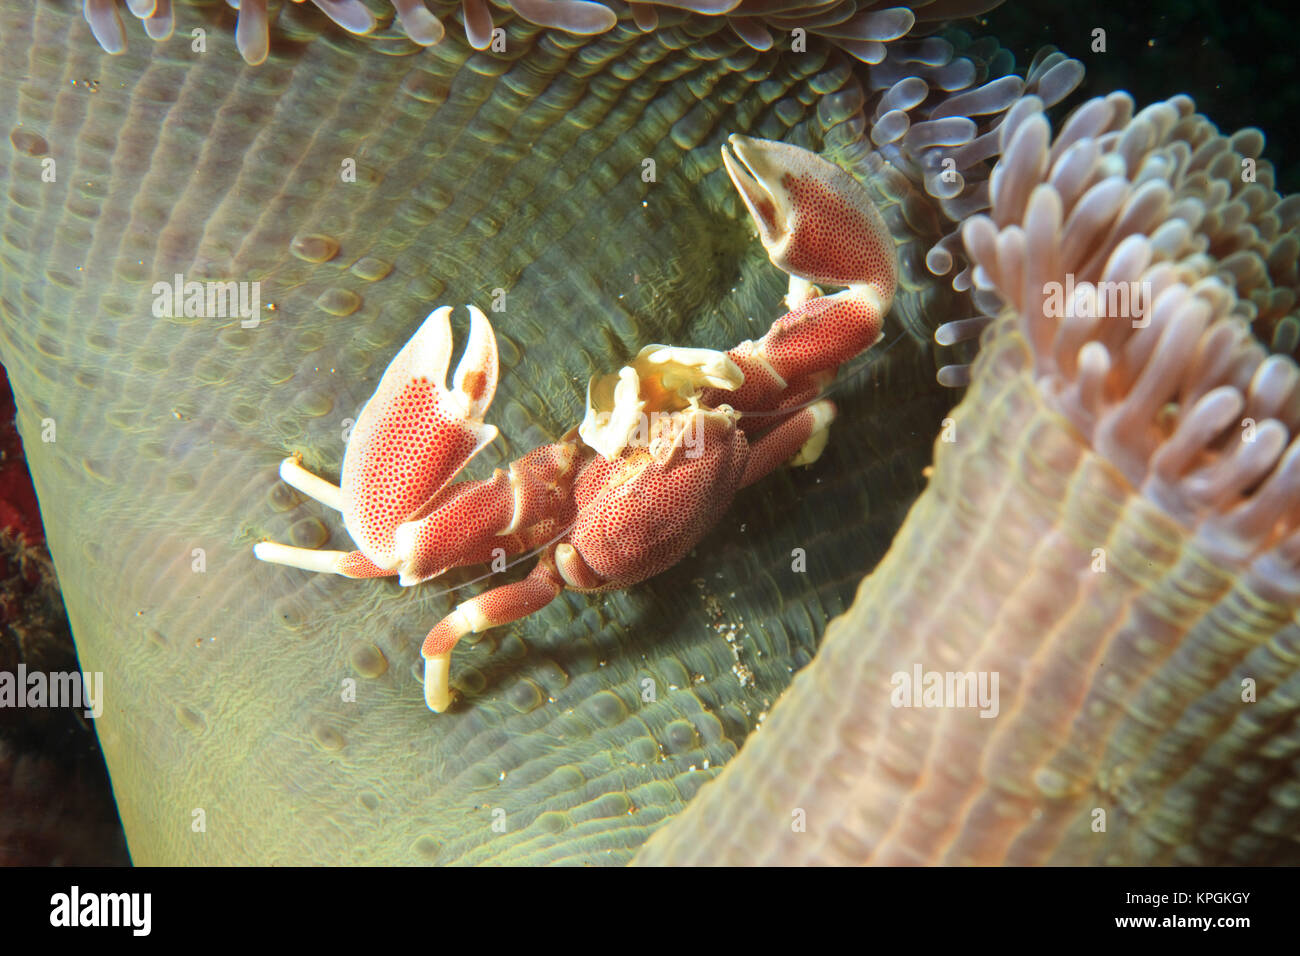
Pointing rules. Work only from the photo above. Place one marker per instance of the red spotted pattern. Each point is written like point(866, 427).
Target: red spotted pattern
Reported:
point(356, 565)
point(837, 239)
point(821, 334)
point(638, 517)
point(456, 530)
point(502, 605)
point(779, 445)
point(464, 523)
point(414, 448)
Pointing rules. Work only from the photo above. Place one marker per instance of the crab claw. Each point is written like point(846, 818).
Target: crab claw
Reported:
point(816, 221)
point(818, 224)
point(415, 434)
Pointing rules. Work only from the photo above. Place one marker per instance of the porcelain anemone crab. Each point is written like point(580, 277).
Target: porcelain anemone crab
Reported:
point(665, 444)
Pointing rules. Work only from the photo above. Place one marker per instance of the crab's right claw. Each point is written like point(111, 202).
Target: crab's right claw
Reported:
point(415, 435)
point(816, 222)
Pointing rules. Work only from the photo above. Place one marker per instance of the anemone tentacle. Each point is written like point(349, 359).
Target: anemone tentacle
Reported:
point(861, 30)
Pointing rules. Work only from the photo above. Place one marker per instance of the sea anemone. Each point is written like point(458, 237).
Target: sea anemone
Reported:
point(933, 118)
point(478, 173)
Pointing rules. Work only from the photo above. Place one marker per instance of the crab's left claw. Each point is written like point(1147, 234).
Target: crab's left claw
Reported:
point(815, 220)
point(411, 439)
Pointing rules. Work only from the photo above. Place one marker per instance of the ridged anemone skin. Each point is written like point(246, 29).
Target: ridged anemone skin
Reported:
point(259, 715)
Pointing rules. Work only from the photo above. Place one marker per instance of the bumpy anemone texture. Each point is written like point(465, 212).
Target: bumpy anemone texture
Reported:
point(1135, 454)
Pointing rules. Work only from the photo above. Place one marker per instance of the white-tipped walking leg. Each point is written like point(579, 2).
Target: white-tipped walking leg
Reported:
point(296, 476)
point(309, 559)
point(823, 413)
point(437, 689)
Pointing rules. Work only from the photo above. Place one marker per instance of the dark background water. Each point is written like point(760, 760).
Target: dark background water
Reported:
point(1237, 60)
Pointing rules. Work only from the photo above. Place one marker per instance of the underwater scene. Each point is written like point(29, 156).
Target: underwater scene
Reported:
point(714, 432)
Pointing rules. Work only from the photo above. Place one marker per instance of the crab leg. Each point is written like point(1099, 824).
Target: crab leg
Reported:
point(501, 605)
point(350, 564)
point(799, 440)
point(470, 520)
point(293, 474)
